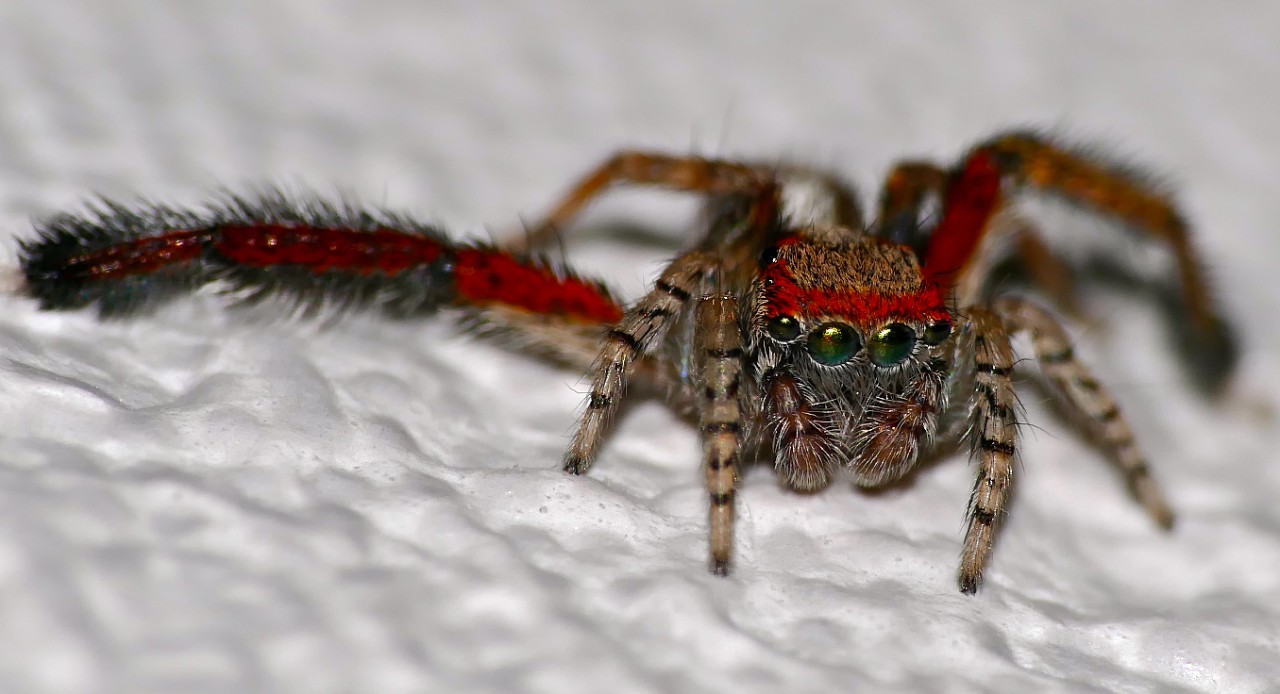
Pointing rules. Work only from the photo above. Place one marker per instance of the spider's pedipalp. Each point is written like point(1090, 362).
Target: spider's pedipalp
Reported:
point(805, 437)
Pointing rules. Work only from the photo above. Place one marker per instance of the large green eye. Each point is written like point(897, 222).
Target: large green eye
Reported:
point(833, 343)
point(783, 328)
point(936, 332)
point(891, 344)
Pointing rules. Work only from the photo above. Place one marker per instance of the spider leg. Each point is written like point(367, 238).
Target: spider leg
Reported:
point(993, 431)
point(729, 251)
point(681, 173)
point(903, 196)
point(1053, 276)
point(719, 371)
point(1037, 163)
point(993, 424)
point(571, 344)
point(1088, 399)
point(643, 327)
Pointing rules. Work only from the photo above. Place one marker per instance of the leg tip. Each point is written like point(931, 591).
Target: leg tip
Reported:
point(1154, 502)
point(720, 567)
point(576, 466)
point(969, 583)
point(1212, 354)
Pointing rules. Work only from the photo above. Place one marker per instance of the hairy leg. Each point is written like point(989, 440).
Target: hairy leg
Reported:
point(1087, 399)
point(906, 191)
point(719, 372)
point(642, 329)
point(1038, 163)
point(993, 434)
point(687, 174)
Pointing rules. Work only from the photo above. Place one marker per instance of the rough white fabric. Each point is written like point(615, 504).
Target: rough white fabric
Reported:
point(193, 502)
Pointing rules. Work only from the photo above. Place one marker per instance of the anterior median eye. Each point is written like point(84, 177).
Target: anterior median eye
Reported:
point(833, 343)
point(891, 344)
point(783, 328)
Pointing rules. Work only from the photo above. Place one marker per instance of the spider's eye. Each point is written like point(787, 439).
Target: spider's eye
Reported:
point(783, 328)
point(936, 332)
point(891, 344)
point(768, 256)
point(833, 343)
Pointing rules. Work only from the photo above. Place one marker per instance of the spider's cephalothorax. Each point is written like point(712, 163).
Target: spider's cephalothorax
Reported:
point(789, 331)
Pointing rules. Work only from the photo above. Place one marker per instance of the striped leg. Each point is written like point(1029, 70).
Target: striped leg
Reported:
point(642, 329)
point(719, 369)
point(1086, 397)
point(994, 438)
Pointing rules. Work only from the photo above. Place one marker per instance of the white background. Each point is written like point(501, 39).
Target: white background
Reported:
point(196, 502)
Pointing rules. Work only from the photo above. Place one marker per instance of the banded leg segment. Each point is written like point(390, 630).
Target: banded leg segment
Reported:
point(993, 433)
point(719, 368)
point(1088, 399)
point(642, 329)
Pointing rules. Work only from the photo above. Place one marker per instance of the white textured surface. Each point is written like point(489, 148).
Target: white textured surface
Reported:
point(193, 503)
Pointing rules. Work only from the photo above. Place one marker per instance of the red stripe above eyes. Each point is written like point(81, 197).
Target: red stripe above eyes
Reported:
point(784, 297)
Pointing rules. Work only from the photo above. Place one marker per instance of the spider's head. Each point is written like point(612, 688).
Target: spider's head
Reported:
point(833, 308)
point(846, 341)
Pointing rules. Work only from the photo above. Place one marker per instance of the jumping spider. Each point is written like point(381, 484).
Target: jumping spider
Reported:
point(805, 336)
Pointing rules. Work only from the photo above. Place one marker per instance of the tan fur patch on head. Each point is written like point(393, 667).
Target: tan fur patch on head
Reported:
point(869, 265)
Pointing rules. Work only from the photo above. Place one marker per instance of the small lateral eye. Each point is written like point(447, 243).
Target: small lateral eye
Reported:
point(833, 344)
point(891, 344)
point(783, 328)
point(936, 332)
